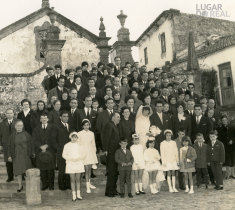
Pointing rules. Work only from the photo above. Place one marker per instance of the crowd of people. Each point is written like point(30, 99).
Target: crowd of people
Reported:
point(135, 119)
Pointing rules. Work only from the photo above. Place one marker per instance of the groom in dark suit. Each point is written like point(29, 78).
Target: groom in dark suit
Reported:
point(162, 121)
point(200, 124)
point(61, 136)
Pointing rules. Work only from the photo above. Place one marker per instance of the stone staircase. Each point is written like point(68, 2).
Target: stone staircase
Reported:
point(9, 190)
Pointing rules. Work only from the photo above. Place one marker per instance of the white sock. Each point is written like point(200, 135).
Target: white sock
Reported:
point(74, 195)
point(141, 187)
point(136, 187)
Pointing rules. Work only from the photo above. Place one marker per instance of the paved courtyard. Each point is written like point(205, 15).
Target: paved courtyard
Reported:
point(202, 199)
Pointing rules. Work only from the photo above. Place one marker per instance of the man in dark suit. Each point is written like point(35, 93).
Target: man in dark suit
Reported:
point(216, 158)
point(200, 124)
point(61, 137)
point(183, 87)
point(54, 79)
point(111, 144)
point(43, 147)
point(192, 94)
point(82, 91)
point(7, 127)
point(46, 80)
point(164, 95)
point(58, 90)
point(105, 116)
point(87, 113)
point(74, 118)
point(162, 121)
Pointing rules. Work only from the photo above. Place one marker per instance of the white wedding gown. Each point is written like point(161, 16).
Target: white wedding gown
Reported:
point(142, 125)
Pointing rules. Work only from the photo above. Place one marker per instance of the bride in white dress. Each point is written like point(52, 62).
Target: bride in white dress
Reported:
point(142, 123)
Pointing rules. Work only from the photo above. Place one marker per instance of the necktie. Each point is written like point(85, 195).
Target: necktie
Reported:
point(198, 120)
point(66, 126)
point(88, 113)
point(44, 127)
point(10, 123)
point(72, 111)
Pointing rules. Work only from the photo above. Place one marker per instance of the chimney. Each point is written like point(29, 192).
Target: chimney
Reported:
point(45, 3)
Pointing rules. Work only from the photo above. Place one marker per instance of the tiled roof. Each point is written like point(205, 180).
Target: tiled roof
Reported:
point(211, 47)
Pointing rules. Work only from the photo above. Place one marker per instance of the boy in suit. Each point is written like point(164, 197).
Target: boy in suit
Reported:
point(201, 161)
point(216, 158)
point(124, 159)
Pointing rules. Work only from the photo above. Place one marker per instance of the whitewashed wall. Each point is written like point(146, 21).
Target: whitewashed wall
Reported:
point(153, 44)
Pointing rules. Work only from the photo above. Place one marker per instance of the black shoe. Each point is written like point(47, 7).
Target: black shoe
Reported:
point(219, 188)
point(116, 193)
point(142, 192)
point(93, 175)
point(109, 195)
point(122, 195)
point(137, 193)
point(130, 195)
point(9, 180)
point(44, 188)
point(19, 190)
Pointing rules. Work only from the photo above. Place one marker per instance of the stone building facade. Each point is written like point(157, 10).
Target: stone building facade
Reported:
point(167, 36)
point(43, 38)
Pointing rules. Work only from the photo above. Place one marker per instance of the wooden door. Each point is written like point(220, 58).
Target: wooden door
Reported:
point(226, 84)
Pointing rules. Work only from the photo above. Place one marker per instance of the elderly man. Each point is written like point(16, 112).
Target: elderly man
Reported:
point(7, 127)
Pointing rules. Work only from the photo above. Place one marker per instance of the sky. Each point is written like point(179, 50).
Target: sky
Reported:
point(141, 13)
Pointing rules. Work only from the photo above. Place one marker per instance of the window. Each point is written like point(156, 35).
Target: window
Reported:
point(163, 43)
point(145, 56)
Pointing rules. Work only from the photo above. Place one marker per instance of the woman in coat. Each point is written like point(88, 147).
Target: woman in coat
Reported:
point(181, 121)
point(20, 152)
point(25, 115)
point(226, 134)
point(54, 115)
point(126, 126)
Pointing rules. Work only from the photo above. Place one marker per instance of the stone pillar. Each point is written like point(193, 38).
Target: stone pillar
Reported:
point(53, 51)
point(33, 191)
point(122, 47)
point(103, 43)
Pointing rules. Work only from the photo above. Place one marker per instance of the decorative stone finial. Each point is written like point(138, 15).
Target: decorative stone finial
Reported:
point(122, 18)
point(52, 16)
point(102, 28)
point(45, 3)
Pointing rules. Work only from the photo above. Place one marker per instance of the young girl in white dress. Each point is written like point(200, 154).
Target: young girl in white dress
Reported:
point(170, 159)
point(142, 123)
point(138, 164)
point(88, 140)
point(152, 164)
point(74, 155)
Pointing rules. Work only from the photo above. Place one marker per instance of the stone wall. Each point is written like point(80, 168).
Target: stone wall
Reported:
point(201, 26)
point(21, 73)
point(14, 89)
